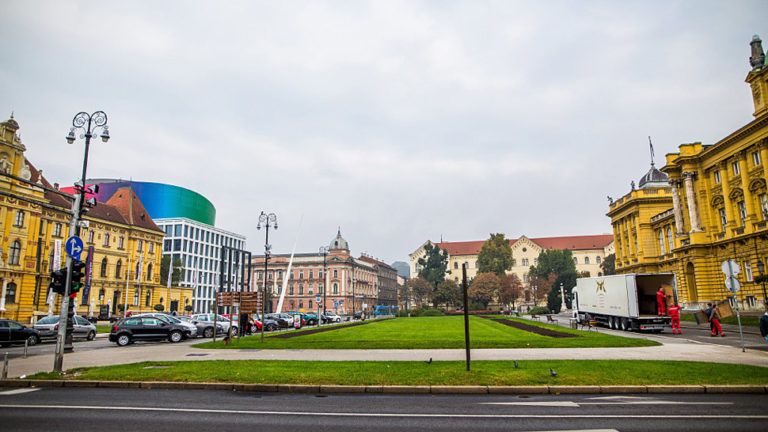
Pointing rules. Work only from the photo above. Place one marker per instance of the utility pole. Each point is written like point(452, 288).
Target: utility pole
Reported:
point(85, 121)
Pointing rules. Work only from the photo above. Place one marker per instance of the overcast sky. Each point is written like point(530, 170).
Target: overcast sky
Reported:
point(398, 121)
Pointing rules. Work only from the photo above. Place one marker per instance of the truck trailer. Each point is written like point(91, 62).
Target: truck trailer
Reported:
point(625, 301)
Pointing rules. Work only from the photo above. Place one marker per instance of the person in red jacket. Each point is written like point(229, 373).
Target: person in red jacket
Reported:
point(674, 312)
point(661, 302)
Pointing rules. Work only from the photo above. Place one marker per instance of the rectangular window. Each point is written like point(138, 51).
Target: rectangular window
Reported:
point(90, 236)
point(151, 248)
point(177, 245)
point(764, 205)
point(736, 168)
point(120, 241)
point(748, 271)
point(19, 222)
point(57, 230)
point(335, 273)
point(717, 176)
point(742, 212)
point(177, 230)
point(301, 274)
point(139, 245)
point(661, 243)
point(723, 218)
point(301, 289)
point(290, 289)
point(756, 158)
point(168, 230)
point(106, 239)
point(311, 274)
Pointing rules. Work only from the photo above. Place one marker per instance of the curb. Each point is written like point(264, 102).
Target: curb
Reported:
point(435, 390)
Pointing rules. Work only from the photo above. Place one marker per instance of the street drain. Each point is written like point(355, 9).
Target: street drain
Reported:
point(196, 355)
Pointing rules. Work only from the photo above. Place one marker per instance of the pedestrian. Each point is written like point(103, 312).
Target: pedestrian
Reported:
point(661, 302)
point(674, 312)
point(714, 321)
point(764, 325)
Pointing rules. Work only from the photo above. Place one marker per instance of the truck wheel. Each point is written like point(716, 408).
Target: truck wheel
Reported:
point(625, 324)
point(613, 324)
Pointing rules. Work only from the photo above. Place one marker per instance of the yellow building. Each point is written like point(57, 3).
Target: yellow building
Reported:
point(34, 223)
point(713, 207)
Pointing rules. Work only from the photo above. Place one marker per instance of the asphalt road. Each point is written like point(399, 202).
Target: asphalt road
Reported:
point(202, 410)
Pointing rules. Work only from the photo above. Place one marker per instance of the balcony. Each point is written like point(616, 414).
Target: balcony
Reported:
point(738, 231)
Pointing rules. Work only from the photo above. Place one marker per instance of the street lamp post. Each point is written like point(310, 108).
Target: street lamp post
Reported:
point(89, 123)
point(266, 221)
point(324, 252)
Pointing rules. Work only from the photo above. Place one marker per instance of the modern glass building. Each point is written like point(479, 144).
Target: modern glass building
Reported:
point(188, 219)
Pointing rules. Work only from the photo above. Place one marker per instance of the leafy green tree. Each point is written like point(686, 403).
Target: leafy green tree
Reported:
point(448, 293)
point(434, 265)
point(485, 288)
point(178, 268)
point(560, 264)
point(609, 265)
point(495, 256)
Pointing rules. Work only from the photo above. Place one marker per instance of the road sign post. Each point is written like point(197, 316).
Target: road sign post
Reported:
point(731, 269)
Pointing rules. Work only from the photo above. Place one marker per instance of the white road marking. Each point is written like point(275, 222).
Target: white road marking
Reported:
point(19, 391)
point(568, 404)
point(391, 415)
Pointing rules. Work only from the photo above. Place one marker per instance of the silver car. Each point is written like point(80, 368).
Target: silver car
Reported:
point(207, 321)
point(49, 328)
point(192, 329)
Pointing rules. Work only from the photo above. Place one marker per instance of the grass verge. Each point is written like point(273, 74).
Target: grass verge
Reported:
point(746, 320)
point(433, 333)
point(534, 372)
point(103, 328)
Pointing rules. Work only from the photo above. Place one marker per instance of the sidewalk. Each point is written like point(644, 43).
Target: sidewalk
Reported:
point(683, 350)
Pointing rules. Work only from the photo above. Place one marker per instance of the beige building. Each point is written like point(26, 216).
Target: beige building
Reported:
point(588, 254)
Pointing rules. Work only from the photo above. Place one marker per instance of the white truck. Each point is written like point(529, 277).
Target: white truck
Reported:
point(625, 301)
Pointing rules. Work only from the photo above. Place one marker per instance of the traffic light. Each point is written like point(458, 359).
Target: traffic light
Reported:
point(59, 281)
point(77, 275)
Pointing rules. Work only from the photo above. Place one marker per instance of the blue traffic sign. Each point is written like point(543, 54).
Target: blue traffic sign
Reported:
point(74, 247)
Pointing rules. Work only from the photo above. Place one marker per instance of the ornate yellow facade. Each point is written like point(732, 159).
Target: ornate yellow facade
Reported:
point(34, 221)
point(713, 207)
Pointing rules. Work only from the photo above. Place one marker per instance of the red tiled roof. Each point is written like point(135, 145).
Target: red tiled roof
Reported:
point(569, 242)
point(130, 207)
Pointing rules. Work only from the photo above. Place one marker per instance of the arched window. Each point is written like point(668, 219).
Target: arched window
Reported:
point(661, 243)
point(575, 260)
point(586, 260)
point(149, 272)
point(118, 269)
point(598, 259)
point(138, 270)
point(14, 254)
point(136, 297)
point(10, 293)
point(148, 298)
point(104, 267)
point(101, 295)
point(19, 222)
point(335, 288)
point(670, 239)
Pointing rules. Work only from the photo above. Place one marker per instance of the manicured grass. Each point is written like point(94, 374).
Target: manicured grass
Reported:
point(746, 321)
point(435, 333)
point(569, 372)
point(103, 328)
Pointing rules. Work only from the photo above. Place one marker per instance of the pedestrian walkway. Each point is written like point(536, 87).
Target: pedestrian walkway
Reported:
point(670, 350)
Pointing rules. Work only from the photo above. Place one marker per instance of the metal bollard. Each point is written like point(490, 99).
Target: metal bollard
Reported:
point(5, 367)
point(26, 345)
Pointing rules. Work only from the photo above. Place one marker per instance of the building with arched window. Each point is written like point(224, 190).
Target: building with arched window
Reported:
point(706, 205)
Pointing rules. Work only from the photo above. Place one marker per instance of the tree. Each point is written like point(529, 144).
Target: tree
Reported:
point(434, 265)
point(177, 270)
point(511, 288)
point(495, 256)
point(609, 265)
point(560, 264)
point(485, 288)
point(540, 286)
point(420, 290)
point(447, 293)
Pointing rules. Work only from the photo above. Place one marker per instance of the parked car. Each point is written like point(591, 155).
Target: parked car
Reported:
point(202, 326)
point(12, 332)
point(49, 328)
point(330, 317)
point(310, 318)
point(269, 324)
point(208, 320)
point(298, 316)
point(136, 328)
point(283, 319)
point(191, 328)
point(357, 315)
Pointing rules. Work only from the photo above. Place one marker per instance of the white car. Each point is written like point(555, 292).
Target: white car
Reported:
point(330, 317)
point(208, 319)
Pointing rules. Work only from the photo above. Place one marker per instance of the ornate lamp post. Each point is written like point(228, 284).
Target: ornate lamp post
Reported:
point(324, 252)
point(266, 221)
point(89, 124)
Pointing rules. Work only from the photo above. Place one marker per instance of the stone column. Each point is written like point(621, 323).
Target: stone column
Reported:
point(725, 182)
point(678, 211)
point(2, 299)
point(690, 195)
point(749, 203)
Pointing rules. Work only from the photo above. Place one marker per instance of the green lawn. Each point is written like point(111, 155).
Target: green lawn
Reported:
point(433, 333)
point(103, 328)
point(570, 372)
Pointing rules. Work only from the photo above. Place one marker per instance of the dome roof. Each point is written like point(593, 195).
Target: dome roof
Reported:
point(339, 243)
point(653, 178)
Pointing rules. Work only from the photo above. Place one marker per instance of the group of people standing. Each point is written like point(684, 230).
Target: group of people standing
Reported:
point(674, 310)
